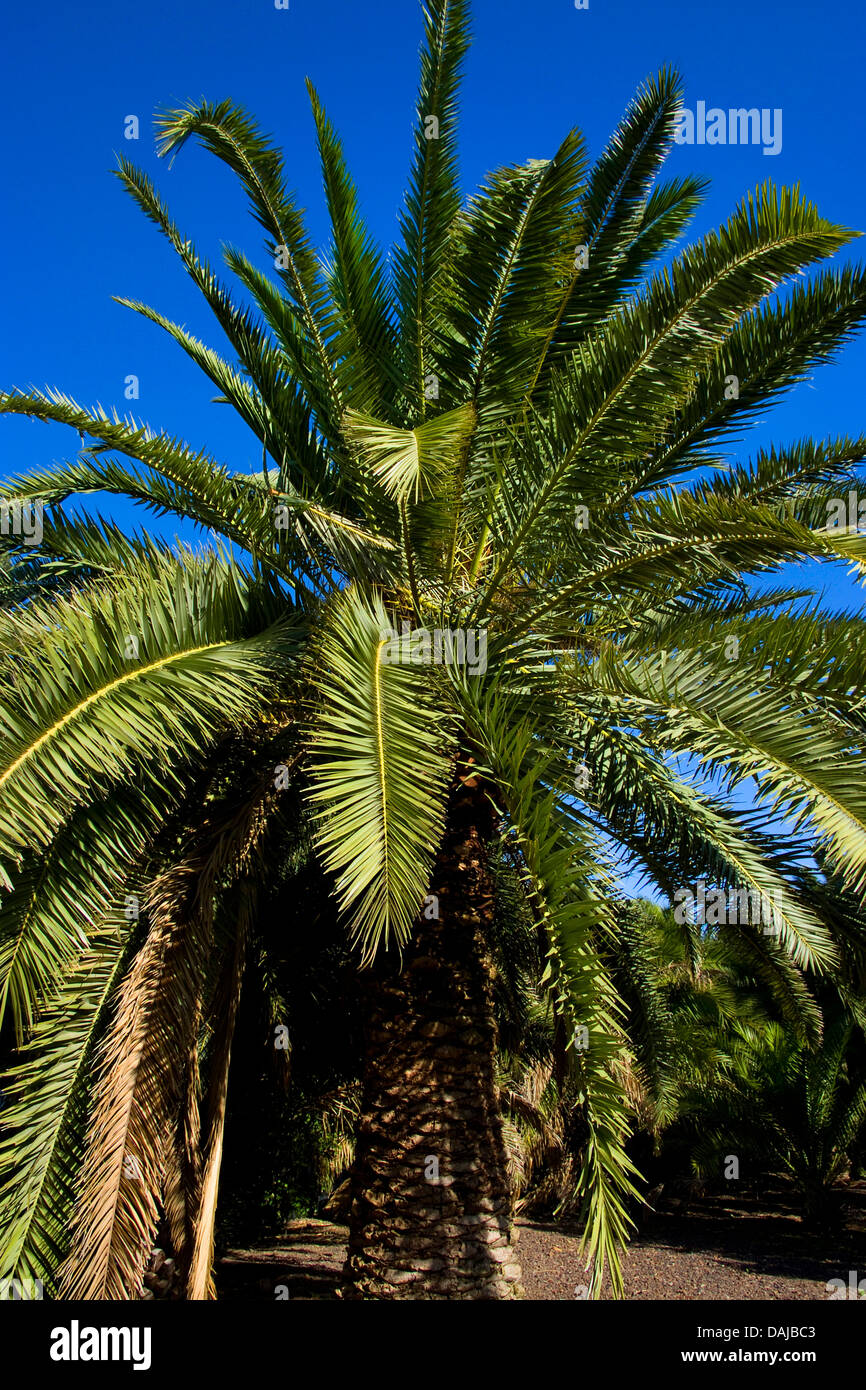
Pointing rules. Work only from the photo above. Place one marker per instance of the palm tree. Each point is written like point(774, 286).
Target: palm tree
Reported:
point(499, 436)
point(753, 1068)
point(799, 1109)
point(728, 1048)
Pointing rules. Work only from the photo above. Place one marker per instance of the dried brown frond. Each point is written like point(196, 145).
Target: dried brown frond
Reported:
point(144, 1060)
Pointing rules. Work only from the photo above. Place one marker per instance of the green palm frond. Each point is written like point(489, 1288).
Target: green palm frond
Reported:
point(229, 134)
point(432, 198)
point(265, 366)
point(771, 349)
point(615, 215)
point(365, 342)
point(160, 658)
point(411, 465)
point(60, 900)
point(739, 732)
point(565, 887)
point(666, 820)
point(44, 1117)
point(380, 771)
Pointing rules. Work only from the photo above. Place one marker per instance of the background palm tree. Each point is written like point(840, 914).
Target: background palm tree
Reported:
point(800, 1110)
point(499, 433)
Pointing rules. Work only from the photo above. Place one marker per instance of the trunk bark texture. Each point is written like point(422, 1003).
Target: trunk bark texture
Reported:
point(430, 1207)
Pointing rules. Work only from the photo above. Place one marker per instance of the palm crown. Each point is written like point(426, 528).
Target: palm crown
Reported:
point(499, 431)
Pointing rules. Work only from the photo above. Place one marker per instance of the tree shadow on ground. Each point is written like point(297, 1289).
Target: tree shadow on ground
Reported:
point(709, 1247)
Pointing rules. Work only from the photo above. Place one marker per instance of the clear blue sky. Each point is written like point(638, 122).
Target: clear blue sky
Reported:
point(71, 237)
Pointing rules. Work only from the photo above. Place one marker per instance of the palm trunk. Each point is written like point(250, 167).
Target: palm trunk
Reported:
point(430, 1207)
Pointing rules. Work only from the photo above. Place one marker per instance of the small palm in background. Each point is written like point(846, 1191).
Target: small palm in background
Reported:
point(737, 1065)
point(788, 1109)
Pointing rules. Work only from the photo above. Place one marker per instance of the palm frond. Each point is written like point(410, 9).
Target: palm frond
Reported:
point(379, 770)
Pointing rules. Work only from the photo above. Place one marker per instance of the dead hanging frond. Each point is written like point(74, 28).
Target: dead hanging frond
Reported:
point(515, 1154)
point(140, 1068)
point(633, 1080)
point(534, 1131)
point(143, 1076)
point(182, 1181)
point(225, 1009)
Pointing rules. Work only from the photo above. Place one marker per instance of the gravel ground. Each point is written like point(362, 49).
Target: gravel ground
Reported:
point(713, 1249)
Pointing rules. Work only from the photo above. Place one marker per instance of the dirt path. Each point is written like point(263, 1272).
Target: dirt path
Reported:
point(718, 1249)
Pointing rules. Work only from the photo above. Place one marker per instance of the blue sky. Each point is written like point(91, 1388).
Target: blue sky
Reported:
point(71, 237)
